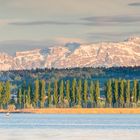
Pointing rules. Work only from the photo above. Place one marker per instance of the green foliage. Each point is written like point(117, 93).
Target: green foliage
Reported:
point(43, 94)
point(71, 93)
point(116, 96)
point(68, 91)
point(79, 92)
point(97, 92)
point(74, 91)
point(109, 92)
point(19, 98)
point(127, 92)
point(85, 91)
point(55, 92)
point(49, 94)
point(7, 96)
point(92, 92)
point(121, 97)
point(62, 92)
point(36, 93)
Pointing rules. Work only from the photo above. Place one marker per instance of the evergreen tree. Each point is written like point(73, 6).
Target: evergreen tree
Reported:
point(68, 91)
point(49, 94)
point(74, 91)
point(85, 92)
point(55, 92)
point(36, 93)
point(19, 98)
point(97, 92)
point(79, 92)
point(43, 94)
point(61, 92)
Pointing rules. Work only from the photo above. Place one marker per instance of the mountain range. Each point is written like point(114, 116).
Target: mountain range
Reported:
point(103, 54)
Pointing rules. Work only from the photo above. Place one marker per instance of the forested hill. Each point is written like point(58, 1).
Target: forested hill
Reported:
point(18, 76)
point(101, 87)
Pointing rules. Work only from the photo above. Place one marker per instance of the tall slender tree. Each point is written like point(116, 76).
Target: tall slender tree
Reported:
point(36, 93)
point(109, 92)
point(85, 92)
point(19, 98)
point(61, 92)
point(49, 94)
point(55, 92)
point(92, 92)
point(127, 92)
point(28, 99)
point(7, 93)
point(134, 91)
point(74, 91)
point(97, 92)
point(79, 92)
point(116, 92)
point(24, 98)
point(68, 91)
point(43, 94)
point(121, 96)
point(1, 94)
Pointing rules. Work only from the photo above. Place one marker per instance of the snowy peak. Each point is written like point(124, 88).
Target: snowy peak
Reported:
point(106, 54)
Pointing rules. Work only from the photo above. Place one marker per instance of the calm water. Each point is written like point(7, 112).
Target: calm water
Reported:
point(69, 127)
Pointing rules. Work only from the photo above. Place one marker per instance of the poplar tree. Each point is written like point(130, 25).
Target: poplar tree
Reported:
point(68, 91)
point(116, 96)
point(134, 91)
point(7, 93)
point(19, 98)
point(28, 99)
point(55, 92)
point(85, 92)
point(79, 92)
point(1, 94)
point(92, 92)
point(74, 91)
point(61, 92)
point(138, 92)
point(127, 92)
point(24, 98)
point(109, 92)
point(121, 97)
point(49, 94)
point(36, 92)
point(43, 94)
point(97, 92)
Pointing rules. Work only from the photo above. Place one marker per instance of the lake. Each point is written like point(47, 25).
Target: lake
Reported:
point(69, 127)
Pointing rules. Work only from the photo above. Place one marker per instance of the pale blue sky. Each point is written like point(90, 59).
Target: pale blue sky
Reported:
point(39, 23)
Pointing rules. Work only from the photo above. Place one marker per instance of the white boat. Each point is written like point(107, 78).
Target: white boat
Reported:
point(7, 114)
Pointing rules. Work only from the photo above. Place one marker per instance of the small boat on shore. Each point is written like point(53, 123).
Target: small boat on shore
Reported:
point(7, 114)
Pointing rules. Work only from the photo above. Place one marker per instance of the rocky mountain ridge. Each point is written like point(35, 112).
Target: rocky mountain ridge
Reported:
point(107, 54)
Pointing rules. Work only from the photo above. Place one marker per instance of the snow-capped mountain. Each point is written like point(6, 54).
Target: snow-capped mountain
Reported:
point(126, 53)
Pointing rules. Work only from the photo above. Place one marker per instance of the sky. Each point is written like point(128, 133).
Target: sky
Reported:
point(28, 24)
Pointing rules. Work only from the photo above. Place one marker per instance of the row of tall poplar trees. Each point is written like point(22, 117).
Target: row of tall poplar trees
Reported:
point(75, 93)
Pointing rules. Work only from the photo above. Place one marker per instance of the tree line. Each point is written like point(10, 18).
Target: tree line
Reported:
point(71, 93)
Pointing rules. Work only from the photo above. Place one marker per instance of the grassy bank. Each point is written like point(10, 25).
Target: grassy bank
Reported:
point(78, 111)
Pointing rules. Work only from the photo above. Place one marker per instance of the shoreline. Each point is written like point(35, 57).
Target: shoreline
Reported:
point(77, 111)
